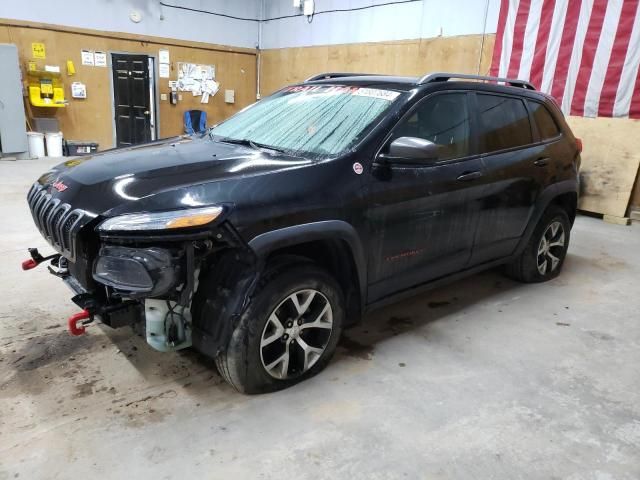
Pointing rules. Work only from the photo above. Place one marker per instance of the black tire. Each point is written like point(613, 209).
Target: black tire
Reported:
point(241, 364)
point(525, 267)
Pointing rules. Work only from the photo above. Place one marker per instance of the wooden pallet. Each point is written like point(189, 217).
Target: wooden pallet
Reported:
point(616, 220)
point(610, 163)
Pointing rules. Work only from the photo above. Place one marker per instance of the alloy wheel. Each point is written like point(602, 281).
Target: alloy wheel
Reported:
point(551, 248)
point(296, 334)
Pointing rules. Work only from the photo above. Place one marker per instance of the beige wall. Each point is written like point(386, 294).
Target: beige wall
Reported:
point(461, 54)
point(91, 118)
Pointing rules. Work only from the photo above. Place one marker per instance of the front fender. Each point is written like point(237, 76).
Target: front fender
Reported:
point(268, 242)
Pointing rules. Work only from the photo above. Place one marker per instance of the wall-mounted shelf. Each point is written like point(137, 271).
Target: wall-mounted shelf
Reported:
point(36, 99)
point(43, 74)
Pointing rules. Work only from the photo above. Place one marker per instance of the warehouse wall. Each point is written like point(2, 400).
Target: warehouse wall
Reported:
point(421, 19)
point(113, 16)
point(466, 54)
point(92, 118)
point(405, 39)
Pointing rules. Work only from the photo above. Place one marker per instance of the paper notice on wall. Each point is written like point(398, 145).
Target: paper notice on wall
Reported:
point(100, 59)
point(87, 57)
point(78, 90)
point(197, 79)
point(163, 56)
point(210, 87)
point(164, 70)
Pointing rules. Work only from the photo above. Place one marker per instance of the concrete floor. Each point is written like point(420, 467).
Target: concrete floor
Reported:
point(482, 379)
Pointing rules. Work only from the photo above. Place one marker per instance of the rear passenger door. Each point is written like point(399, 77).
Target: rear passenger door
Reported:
point(422, 217)
point(517, 167)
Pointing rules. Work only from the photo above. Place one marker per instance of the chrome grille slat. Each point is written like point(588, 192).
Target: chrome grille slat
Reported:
point(32, 192)
point(41, 211)
point(49, 218)
point(58, 222)
point(58, 227)
point(47, 211)
point(40, 200)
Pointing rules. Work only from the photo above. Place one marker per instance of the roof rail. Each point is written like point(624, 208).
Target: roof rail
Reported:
point(443, 77)
point(323, 76)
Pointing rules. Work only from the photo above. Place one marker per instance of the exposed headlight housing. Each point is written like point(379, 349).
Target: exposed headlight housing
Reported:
point(192, 217)
point(139, 271)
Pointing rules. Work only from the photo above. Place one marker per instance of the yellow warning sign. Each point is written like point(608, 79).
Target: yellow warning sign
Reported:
point(37, 50)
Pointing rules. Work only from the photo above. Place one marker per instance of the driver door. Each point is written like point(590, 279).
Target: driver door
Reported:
point(423, 215)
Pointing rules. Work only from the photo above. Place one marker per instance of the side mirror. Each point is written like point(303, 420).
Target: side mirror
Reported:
point(412, 150)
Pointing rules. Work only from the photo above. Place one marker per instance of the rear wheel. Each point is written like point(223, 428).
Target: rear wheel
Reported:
point(288, 333)
point(544, 255)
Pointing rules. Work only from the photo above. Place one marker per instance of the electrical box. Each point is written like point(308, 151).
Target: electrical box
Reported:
point(230, 96)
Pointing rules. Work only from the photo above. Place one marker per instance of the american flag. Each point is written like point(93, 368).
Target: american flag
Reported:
point(585, 53)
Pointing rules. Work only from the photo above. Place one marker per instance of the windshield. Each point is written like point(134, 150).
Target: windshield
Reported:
point(308, 119)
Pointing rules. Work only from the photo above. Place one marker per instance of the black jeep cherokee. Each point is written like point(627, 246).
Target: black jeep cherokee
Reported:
point(259, 241)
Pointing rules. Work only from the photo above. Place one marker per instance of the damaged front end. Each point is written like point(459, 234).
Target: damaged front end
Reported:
point(183, 286)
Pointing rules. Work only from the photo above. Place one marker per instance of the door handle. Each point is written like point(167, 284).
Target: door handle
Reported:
point(468, 176)
point(541, 162)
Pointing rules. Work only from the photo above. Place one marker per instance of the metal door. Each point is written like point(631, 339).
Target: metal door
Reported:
point(131, 99)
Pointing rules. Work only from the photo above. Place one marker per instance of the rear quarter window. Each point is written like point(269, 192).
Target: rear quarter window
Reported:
point(545, 122)
point(504, 123)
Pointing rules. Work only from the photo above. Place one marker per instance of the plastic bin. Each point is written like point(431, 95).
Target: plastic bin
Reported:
point(36, 144)
point(73, 148)
point(54, 144)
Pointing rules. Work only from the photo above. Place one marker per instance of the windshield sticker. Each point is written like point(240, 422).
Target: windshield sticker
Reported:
point(377, 93)
point(319, 89)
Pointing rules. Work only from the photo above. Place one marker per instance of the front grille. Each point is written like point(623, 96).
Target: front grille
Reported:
point(58, 222)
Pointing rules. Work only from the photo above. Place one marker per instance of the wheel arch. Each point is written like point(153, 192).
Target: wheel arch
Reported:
point(332, 244)
point(564, 194)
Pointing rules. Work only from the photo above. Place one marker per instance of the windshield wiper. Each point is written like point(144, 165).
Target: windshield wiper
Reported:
point(250, 143)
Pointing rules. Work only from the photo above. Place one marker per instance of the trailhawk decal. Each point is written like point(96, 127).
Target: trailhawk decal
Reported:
point(387, 95)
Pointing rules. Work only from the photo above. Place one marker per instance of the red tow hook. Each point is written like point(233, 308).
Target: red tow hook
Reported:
point(73, 321)
point(36, 259)
point(29, 264)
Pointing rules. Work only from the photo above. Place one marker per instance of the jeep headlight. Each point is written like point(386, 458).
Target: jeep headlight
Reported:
point(192, 217)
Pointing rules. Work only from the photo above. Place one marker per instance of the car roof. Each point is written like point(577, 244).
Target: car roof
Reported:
point(406, 83)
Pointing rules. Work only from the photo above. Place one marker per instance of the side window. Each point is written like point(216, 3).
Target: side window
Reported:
point(443, 120)
point(547, 126)
point(504, 123)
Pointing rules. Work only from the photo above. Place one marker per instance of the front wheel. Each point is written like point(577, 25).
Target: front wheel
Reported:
point(288, 333)
point(544, 255)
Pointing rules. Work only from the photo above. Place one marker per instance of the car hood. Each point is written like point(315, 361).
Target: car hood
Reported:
point(174, 169)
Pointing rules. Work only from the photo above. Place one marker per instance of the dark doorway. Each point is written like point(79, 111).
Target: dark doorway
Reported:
point(132, 98)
